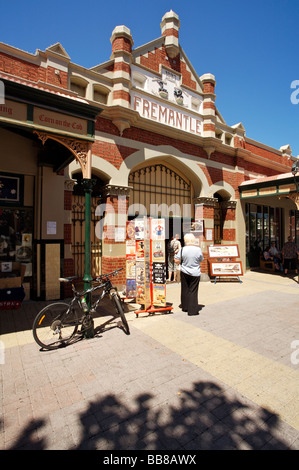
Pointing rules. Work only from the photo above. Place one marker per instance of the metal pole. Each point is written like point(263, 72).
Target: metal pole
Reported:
point(87, 185)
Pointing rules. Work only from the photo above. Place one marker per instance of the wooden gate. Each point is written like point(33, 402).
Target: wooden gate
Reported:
point(78, 236)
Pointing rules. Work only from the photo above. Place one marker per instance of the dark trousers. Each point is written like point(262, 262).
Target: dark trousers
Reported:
point(189, 293)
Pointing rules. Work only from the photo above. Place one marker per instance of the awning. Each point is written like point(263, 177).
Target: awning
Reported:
point(283, 185)
point(33, 107)
point(63, 122)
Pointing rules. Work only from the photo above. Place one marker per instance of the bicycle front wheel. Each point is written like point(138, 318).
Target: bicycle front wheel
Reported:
point(120, 311)
point(55, 325)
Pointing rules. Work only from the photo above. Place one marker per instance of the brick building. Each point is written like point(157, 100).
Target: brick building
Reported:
point(145, 126)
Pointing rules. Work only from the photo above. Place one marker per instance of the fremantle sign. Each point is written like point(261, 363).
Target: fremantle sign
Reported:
point(168, 115)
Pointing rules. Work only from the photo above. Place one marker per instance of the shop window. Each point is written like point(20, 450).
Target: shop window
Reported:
point(16, 234)
point(263, 225)
point(294, 225)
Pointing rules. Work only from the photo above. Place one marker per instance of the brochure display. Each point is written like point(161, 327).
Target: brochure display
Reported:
point(223, 262)
point(145, 264)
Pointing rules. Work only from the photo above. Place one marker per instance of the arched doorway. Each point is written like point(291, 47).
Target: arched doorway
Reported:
point(221, 199)
point(160, 191)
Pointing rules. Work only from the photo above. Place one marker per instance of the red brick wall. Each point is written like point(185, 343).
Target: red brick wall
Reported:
point(67, 234)
point(113, 153)
point(60, 80)
point(229, 235)
point(68, 200)
point(111, 263)
point(121, 95)
point(271, 156)
point(122, 44)
point(28, 71)
point(21, 68)
point(208, 87)
point(171, 32)
point(153, 60)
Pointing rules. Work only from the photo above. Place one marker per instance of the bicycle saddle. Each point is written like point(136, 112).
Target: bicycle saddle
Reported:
point(67, 279)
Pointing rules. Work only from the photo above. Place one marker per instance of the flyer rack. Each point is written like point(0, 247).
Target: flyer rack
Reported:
point(145, 264)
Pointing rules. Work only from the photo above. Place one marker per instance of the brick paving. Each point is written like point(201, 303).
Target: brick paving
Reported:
point(226, 379)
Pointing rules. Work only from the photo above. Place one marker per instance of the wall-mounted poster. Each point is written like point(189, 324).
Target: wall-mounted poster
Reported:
point(11, 189)
point(120, 234)
point(224, 268)
point(223, 251)
point(197, 226)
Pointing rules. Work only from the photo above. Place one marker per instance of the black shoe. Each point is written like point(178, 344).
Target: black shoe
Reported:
point(191, 314)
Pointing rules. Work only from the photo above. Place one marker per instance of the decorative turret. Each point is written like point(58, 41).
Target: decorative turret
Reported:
point(208, 82)
point(170, 26)
point(122, 43)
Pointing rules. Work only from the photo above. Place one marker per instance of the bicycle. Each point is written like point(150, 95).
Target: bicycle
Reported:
point(57, 323)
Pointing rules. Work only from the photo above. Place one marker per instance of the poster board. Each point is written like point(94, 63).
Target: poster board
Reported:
point(223, 261)
point(226, 268)
point(223, 251)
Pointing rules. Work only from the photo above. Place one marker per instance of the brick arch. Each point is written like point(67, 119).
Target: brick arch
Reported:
point(170, 157)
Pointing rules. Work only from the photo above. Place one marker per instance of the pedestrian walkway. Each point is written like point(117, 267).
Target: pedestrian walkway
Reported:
point(226, 379)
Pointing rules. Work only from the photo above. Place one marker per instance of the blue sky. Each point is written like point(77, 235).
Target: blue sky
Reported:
point(250, 46)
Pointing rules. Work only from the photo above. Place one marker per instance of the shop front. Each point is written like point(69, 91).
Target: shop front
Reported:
point(271, 214)
point(40, 133)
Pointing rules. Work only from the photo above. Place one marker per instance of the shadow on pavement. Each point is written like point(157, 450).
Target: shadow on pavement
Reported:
point(204, 417)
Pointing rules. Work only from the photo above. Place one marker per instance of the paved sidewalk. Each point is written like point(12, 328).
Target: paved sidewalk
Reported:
point(227, 379)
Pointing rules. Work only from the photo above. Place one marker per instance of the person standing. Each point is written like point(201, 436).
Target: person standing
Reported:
point(173, 248)
point(189, 257)
point(177, 247)
point(290, 255)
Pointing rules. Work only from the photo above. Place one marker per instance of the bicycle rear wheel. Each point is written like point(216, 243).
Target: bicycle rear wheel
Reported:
point(120, 311)
point(55, 325)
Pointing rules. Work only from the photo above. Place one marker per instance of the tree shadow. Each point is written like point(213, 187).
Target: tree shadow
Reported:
point(205, 417)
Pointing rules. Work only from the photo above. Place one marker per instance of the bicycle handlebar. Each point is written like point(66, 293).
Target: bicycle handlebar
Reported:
point(98, 279)
point(104, 276)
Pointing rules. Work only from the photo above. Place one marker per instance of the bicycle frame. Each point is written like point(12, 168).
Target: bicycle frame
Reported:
point(50, 326)
point(107, 286)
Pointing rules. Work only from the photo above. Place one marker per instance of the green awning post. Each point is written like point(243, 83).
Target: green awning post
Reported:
point(87, 185)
